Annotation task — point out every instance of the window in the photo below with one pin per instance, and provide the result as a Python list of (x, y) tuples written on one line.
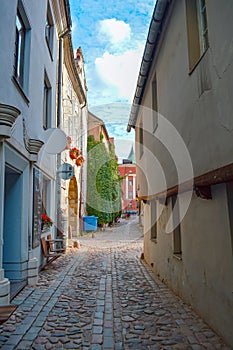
[(130, 194), (130, 183), (141, 140), (76, 106), (41, 203), (203, 29), (19, 49), (22, 45), (69, 89), (47, 104), (229, 187), (197, 30), (153, 218), (154, 105), (176, 230), (45, 195), (49, 29)]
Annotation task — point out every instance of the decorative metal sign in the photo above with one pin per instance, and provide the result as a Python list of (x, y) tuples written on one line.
[(66, 171)]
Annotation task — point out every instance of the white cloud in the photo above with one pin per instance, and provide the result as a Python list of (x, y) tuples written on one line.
[(120, 71), (114, 31)]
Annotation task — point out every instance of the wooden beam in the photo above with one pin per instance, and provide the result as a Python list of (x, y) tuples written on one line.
[(200, 183), (203, 192)]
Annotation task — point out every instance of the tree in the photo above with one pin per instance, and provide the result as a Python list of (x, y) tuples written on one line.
[(103, 182)]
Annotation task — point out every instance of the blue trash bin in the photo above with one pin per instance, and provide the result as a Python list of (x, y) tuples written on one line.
[(90, 223)]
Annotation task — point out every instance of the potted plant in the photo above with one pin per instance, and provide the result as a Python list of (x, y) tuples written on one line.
[(46, 221), (74, 153), (79, 161)]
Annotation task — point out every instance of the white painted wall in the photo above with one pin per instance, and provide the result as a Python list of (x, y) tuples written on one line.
[(204, 120), (29, 102), (40, 60)]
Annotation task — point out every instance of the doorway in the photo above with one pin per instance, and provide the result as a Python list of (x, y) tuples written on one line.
[(12, 228), (73, 207)]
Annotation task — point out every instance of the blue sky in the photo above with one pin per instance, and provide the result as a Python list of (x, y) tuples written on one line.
[(112, 34)]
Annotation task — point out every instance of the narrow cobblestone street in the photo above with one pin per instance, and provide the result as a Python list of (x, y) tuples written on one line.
[(102, 296)]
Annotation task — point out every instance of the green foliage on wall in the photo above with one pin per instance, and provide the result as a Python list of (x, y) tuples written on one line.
[(103, 182)]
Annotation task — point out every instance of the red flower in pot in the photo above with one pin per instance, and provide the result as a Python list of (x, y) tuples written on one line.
[(74, 153), (79, 160), (46, 221)]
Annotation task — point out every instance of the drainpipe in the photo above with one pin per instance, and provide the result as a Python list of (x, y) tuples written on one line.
[(82, 175), (2, 185), (4, 282)]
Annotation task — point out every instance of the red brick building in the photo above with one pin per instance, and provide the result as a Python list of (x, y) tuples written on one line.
[(128, 199)]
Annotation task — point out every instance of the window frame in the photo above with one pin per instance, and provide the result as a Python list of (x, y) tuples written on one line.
[(197, 36), (49, 29), (130, 194), (229, 191), (19, 49), (69, 89), (47, 96), (177, 239), (153, 224), (154, 104), (22, 51), (45, 195), (203, 26), (141, 139)]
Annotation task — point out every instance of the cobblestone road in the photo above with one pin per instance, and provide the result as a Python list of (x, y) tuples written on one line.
[(103, 297)]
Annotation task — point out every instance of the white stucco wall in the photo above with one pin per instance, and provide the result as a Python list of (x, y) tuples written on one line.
[(30, 102), (40, 60), (203, 118), (204, 275)]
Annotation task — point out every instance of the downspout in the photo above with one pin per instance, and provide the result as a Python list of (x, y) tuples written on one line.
[(2, 190), (81, 176)]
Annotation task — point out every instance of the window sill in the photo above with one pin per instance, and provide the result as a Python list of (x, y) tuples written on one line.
[(20, 89), (191, 70), (177, 256), (50, 50), (154, 240)]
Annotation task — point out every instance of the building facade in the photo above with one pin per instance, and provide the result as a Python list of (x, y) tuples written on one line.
[(182, 115), (74, 123), (29, 138), (129, 203), (97, 129)]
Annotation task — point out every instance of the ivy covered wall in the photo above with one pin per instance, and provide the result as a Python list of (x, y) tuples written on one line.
[(103, 182)]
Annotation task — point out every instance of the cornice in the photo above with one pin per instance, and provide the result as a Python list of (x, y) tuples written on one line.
[(8, 116), (72, 70), (33, 146)]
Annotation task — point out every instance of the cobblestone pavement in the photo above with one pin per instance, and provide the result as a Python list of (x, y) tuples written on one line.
[(104, 298)]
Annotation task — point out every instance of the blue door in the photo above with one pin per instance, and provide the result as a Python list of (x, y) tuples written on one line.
[(12, 244)]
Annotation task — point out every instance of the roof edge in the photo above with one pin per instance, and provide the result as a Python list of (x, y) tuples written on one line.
[(155, 29)]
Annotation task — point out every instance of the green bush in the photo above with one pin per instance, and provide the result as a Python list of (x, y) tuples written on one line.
[(103, 182)]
